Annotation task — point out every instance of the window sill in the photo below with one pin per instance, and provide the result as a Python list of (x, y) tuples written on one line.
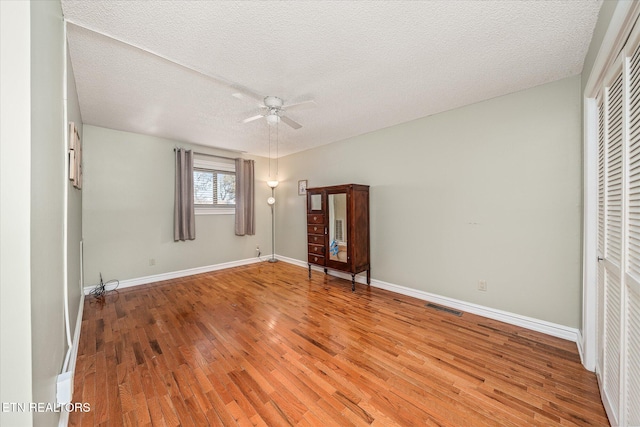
[(215, 211)]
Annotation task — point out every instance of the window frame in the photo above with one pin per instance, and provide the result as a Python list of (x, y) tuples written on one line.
[(215, 167)]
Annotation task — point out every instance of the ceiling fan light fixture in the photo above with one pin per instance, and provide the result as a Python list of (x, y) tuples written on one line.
[(273, 110), (273, 118)]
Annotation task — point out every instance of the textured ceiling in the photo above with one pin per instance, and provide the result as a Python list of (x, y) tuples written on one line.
[(167, 68)]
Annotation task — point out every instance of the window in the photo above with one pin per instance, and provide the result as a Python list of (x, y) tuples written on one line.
[(214, 186)]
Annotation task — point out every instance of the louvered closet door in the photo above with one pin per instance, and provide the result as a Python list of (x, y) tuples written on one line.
[(631, 294), (601, 231), (613, 220), (602, 156), (618, 235)]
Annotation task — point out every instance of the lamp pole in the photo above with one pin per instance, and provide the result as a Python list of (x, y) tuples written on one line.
[(273, 183), (272, 202)]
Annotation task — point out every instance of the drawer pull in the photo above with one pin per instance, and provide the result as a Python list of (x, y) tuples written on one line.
[(315, 228), (315, 218)]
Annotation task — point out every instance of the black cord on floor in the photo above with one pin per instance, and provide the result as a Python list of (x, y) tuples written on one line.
[(101, 288)]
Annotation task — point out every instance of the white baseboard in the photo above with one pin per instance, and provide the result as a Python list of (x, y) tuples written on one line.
[(127, 283), (64, 391), (553, 329)]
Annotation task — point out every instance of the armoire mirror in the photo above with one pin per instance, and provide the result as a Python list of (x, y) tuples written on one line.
[(337, 221)]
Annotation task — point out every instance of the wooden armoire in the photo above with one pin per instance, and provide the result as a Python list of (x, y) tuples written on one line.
[(338, 229)]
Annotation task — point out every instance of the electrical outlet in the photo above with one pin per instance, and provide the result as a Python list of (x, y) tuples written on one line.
[(152, 261), (482, 285)]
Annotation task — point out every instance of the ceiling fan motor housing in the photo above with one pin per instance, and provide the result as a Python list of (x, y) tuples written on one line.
[(273, 102)]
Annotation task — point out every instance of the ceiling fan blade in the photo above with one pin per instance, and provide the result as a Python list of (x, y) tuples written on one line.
[(290, 122), (250, 119), (242, 92), (306, 103), (245, 98)]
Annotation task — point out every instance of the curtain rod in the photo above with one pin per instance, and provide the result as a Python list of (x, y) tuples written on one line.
[(210, 155)]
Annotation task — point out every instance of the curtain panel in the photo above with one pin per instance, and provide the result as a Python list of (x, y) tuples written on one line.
[(245, 195), (184, 221)]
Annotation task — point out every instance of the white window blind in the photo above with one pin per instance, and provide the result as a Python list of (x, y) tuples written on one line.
[(214, 185), (339, 231)]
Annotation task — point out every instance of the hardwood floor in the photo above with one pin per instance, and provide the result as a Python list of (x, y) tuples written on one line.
[(264, 345)]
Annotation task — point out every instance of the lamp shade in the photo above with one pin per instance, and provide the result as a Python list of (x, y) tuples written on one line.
[(273, 118), (273, 184)]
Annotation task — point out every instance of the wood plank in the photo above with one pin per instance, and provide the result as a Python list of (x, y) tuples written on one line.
[(263, 345)]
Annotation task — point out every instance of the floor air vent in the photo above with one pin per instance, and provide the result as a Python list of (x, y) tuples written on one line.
[(445, 309)]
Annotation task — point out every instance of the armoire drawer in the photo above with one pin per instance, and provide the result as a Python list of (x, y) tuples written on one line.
[(315, 219), (315, 229), (316, 259), (316, 250), (315, 239)]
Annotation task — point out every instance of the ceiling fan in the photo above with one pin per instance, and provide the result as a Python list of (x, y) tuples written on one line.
[(273, 109)]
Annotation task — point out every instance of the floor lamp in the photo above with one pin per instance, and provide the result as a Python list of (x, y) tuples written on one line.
[(272, 202), (273, 119)]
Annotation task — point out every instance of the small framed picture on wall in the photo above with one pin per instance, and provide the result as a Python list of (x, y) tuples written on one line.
[(302, 187)]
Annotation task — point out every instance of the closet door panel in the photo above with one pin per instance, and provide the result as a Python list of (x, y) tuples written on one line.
[(601, 233), (633, 355), (618, 229), (613, 238), (631, 294)]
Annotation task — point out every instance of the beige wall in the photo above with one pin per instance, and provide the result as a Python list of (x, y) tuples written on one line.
[(33, 184), (491, 191), (15, 187), (47, 154), (128, 211), (48, 150), (74, 211)]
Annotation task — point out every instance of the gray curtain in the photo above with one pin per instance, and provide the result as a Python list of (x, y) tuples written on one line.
[(245, 195), (184, 220)]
